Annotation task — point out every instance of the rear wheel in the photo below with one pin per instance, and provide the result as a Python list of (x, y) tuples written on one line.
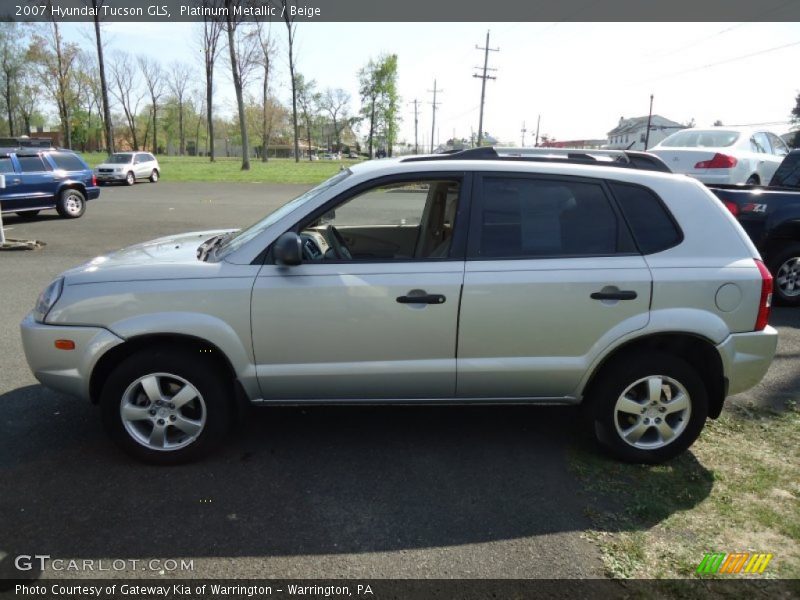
[(166, 407), (753, 180), (785, 268), (71, 204), (130, 178), (154, 176), (649, 408)]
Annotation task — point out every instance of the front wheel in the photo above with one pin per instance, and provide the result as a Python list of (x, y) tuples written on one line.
[(785, 268), (130, 179), (71, 204), (166, 407), (649, 408)]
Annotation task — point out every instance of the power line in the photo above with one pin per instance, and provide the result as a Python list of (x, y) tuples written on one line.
[(486, 49)]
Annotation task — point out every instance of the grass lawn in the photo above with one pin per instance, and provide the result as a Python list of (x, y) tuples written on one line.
[(277, 170), (736, 490)]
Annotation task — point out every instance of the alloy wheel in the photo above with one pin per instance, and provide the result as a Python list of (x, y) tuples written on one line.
[(652, 412)]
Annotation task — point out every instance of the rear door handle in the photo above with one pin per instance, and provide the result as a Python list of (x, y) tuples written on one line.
[(620, 295), (422, 299)]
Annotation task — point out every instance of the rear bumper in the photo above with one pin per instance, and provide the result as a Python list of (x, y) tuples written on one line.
[(92, 192), (67, 371), (746, 358)]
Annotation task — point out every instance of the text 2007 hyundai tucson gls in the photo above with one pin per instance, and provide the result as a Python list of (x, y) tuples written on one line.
[(463, 278)]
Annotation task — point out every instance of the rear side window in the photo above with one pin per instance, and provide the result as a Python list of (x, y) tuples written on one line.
[(68, 162), (651, 224), (32, 164), (536, 218)]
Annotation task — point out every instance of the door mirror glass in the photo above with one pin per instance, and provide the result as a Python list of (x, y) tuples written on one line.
[(288, 249)]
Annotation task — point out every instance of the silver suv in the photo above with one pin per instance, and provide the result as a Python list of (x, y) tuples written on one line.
[(474, 277), (128, 167)]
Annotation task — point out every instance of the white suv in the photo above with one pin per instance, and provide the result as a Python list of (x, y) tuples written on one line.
[(128, 167), (473, 277)]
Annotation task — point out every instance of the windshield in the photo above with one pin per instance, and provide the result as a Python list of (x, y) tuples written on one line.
[(120, 159), (237, 240), (693, 138)]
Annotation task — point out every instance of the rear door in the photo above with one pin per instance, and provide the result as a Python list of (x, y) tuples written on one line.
[(552, 277), (38, 183), (768, 159)]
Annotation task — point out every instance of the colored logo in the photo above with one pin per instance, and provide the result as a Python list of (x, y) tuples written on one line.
[(736, 562)]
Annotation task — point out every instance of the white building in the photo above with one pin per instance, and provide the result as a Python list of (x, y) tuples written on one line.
[(630, 134)]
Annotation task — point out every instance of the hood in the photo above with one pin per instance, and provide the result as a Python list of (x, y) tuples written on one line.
[(154, 259), (110, 165)]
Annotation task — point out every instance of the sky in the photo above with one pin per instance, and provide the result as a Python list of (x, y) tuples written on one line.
[(579, 77)]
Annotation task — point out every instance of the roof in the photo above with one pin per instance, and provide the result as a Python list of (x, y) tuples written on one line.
[(636, 123)]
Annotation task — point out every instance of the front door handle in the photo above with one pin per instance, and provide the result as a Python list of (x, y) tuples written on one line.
[(422, 299), (618, 295)]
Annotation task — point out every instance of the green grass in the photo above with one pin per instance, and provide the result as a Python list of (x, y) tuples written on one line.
[(277, 170), (736, 490)]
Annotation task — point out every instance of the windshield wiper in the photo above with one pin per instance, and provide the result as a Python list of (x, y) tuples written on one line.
[(212, 244)]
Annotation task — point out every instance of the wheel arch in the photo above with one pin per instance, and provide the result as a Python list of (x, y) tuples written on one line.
[(174, 341), (71, 185), (698, 351)]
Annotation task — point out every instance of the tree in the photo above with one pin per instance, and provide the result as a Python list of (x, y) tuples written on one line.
[(154, 80), (212, 28), (291, 31), (29, 96), (178, 82), (55, 60), (10, 69), (717, 123), (336, 103), (267, 50), (308, 99), (379, 99), (796, 121), (125, 88), (109, 128), (232, 24)]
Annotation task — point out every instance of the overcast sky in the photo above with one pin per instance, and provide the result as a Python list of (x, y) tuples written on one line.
[(580, 77)]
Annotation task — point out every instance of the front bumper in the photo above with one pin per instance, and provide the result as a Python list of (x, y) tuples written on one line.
[(746, 358), (67, 371), (111, 176)]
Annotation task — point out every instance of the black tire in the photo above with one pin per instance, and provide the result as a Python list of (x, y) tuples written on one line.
[(785, 268), (753, 180), (71, 204), (214, 403), (130, 178), (610, 422), (27, 214), (154, 176)]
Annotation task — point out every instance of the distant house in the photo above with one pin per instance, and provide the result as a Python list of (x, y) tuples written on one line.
[(630, 134), (590, 144)]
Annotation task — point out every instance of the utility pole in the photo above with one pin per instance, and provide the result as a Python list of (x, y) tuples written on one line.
[(649, 118), (523, 130), (416, 121), (538, 120), (483, 79), (435, 104)]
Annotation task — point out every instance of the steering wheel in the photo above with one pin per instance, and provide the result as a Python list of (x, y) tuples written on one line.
[(337, 243)]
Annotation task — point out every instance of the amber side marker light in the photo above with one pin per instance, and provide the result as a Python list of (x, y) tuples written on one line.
[(65, 344)]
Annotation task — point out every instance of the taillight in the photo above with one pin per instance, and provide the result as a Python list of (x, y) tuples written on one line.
[(94, 180), (765, 302), (720, 161), (732, 206)]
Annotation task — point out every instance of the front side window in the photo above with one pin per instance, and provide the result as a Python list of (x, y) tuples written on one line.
[(537, 218), (32, 164), (398, 221)]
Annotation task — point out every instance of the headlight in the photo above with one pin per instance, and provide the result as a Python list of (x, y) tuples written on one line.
[(47, 299)]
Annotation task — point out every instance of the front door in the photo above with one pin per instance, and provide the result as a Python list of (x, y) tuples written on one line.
[(552, 278), (372, 313)]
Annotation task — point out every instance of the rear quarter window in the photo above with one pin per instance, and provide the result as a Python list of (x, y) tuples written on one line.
[(653, 227), (68, 162), (32, 164)]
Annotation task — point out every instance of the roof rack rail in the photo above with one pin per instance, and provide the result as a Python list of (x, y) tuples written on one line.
[(607, 158)]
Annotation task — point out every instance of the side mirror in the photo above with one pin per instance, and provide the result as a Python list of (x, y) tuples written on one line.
[(288, 249)]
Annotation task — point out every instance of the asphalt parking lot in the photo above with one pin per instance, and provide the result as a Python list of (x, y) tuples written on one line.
[(315, 492)]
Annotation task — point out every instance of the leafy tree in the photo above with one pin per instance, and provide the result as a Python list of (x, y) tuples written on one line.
[(796, 121), (379, 99), (11, 63), (308, 99)]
